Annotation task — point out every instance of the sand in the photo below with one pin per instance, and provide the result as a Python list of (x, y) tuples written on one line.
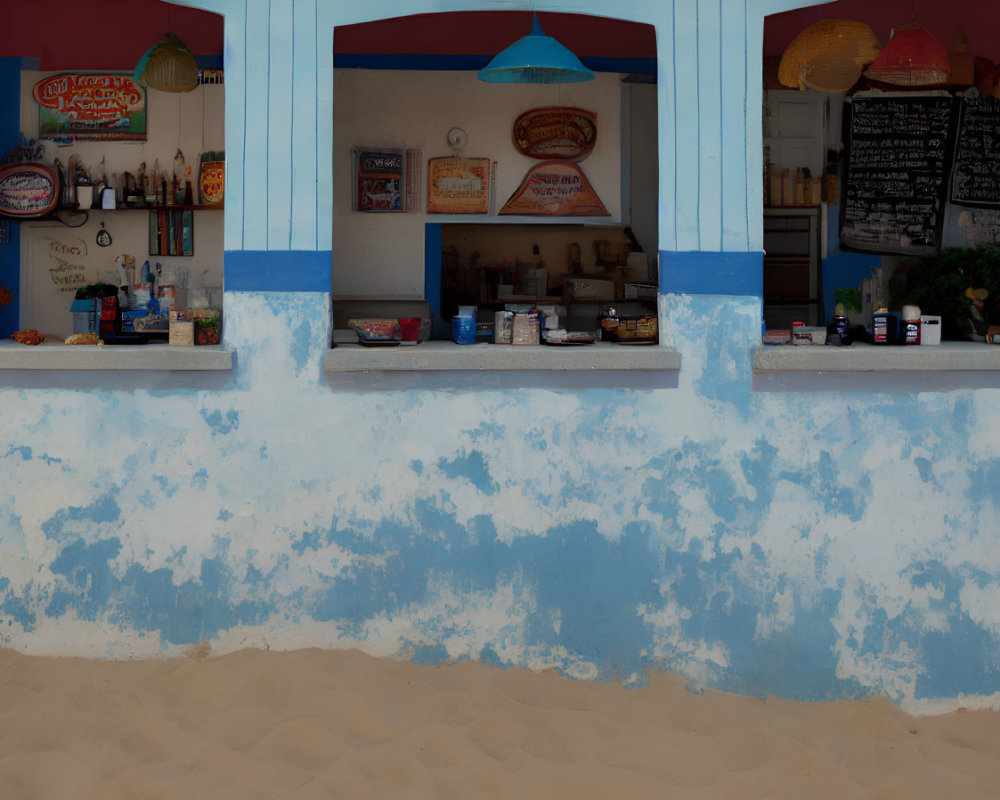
[(335, 724)]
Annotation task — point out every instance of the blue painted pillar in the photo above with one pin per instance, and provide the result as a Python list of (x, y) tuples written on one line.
[(10, 250)]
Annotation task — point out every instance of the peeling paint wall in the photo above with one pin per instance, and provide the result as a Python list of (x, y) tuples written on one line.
[(804, 545)]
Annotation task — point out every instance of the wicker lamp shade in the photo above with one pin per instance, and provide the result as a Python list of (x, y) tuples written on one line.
[(168, 66), (828, 56), (913, 57)]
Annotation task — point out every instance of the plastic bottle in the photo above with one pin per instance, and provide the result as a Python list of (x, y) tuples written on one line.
[(911, 325)]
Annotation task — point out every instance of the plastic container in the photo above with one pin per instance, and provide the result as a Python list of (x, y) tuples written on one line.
[(911, 325)]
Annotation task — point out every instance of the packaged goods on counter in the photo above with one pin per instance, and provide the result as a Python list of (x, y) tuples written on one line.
[(525, 328)]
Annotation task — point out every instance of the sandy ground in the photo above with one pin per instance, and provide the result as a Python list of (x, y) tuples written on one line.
[(322, 724)]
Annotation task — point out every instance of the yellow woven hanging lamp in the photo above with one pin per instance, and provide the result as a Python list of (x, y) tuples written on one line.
[(828, 56), (168, 66)]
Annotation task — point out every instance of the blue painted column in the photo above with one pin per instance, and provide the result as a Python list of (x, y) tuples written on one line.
[(10, 251)]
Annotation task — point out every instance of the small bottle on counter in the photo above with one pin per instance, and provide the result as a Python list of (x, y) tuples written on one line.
[(840, 322), (884, 327), (911, 325), (609, 324)]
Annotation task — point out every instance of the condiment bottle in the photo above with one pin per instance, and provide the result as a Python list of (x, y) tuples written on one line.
[(840, 322), (883, 326), (911, 325)]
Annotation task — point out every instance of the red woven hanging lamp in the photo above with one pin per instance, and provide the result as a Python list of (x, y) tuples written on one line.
[(912, 57)]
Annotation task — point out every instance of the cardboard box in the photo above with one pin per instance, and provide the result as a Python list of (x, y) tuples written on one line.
[(181, 329), (590, 289)]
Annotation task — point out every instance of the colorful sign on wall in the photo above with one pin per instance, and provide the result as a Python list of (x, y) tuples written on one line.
[(90, 106), (556, 132), (28, 190), (458, 185), (555, 188)]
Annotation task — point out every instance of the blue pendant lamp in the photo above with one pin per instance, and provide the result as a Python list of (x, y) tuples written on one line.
[(535, 58)]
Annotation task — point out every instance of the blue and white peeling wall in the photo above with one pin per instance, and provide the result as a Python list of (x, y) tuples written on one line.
[(810, 547)]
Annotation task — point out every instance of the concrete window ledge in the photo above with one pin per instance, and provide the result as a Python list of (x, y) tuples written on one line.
[(147, 357), (950, 365), (488, 366)]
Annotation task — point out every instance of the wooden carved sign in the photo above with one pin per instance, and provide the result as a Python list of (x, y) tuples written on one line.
[(28, 190), (555, 188), (556, 132)]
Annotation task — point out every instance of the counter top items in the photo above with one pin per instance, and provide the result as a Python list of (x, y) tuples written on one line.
[(31, 336), (638, 330), (376, 332)]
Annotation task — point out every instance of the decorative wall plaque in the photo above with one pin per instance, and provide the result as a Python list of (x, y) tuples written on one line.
[(458, 185), (556, 132), (555, 188), (28, 190)]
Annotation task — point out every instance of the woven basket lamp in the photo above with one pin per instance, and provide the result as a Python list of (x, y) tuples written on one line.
[(828, 56), (168, 66), (913, 57)]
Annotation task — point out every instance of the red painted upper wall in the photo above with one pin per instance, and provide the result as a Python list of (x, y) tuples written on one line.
[(113, 34), (489, 32), (101, 34), (980, 19)]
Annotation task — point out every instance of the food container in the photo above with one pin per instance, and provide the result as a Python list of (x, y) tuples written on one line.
[(637, 330), (525, 329), (375, 332)]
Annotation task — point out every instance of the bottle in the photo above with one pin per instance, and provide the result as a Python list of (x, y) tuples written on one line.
[(911, 325), (840, 322), (883, 327)]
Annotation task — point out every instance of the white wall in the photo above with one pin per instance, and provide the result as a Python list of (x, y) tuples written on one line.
[(383, 254)]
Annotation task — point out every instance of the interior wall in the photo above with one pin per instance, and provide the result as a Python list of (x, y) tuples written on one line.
[(382, 253), (55, 259)]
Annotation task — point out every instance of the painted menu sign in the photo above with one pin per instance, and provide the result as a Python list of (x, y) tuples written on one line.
[(90, 106), (556, 132), (555, 188), (458, 185), (28, 190)]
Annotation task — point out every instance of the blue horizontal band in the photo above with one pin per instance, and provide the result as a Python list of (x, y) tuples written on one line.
[(712, 273), (432, 61), (278, 270)]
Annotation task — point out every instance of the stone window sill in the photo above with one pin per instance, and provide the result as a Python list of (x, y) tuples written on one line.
[(155, 357), (930, 368), (439, 364)]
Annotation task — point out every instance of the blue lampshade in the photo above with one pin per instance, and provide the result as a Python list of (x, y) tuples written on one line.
[(535, 58)]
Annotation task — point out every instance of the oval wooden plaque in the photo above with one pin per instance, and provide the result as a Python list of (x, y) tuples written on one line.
[(28, 190), (556, 132)]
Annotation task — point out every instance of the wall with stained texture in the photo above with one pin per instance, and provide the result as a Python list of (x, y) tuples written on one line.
[(812, 546)]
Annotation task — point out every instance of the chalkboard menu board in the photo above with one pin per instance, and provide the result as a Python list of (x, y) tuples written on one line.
[(898, 159), (976, 178)]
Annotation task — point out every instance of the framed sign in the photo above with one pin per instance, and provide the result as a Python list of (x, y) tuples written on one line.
[(90, 106), (379, 179), (458, 185), (28, 190), (556, 132), (212, 183)]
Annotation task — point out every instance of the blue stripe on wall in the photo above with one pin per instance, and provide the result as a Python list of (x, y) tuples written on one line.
[(10, 253), (712, 273), (432, 61), (278, 270)]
